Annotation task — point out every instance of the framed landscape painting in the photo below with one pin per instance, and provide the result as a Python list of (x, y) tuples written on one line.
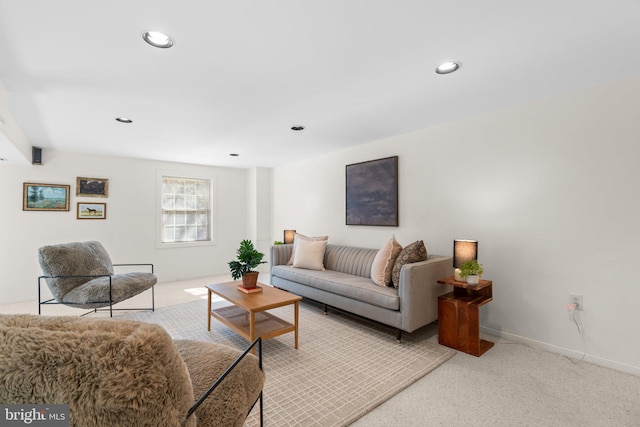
[(372, 192), (45, 197), (91, 211), (92, 187)]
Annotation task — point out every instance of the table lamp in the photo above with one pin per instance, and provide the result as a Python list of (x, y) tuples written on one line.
[(289, 235), (463, 251)]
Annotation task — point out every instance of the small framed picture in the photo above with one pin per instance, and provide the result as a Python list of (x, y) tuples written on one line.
[(92, 210), (92, 187), (45, 197)]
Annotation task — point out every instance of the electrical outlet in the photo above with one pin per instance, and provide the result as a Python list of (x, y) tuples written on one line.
[(577, 300)]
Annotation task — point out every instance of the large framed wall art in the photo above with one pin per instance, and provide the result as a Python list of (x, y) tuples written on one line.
[(45, 197), (372, 192)]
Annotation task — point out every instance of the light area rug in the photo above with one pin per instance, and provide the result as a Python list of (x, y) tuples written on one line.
[(344, 367)]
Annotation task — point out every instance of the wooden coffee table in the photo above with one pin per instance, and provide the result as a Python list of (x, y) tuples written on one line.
[(248, 315)]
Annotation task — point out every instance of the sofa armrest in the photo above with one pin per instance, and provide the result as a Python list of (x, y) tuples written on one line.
[(419, 290), (280, 254)]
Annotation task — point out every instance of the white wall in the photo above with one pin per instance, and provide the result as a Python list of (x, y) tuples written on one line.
[(130, 229), (259, 212), (14, 146), (548, 188)]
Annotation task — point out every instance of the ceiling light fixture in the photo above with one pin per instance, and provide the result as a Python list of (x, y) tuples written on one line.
[(297, 128), (448, 67), (234, 154), (158, 39), (124, 120)]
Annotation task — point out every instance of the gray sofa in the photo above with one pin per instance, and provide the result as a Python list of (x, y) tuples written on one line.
[(346, 284)]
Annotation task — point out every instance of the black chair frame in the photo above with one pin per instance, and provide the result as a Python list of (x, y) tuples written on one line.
[(258, 343), (95, 310)]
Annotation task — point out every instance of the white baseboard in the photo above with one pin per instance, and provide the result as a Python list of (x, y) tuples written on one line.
[(622, 367)]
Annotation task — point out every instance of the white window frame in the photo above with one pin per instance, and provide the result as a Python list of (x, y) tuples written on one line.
[(159, 217)]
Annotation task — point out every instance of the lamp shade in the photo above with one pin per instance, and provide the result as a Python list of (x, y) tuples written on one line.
[(289, 235), (463, 251)]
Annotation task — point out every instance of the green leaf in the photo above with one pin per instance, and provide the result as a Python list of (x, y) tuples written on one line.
[(248, 257)]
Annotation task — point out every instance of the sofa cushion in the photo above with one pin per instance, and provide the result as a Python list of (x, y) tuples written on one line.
[(347, 285), (309, 254), (414, 252), (349, 260), (299, 237), (382, 265)]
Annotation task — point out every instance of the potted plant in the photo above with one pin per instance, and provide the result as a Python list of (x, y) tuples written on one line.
[(471, 270), (248, 258)]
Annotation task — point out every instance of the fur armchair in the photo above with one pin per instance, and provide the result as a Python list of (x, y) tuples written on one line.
[(123, 373), (81, 274)]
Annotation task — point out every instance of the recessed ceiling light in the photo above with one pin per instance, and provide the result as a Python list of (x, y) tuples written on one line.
[(297, 128), (448, 67), (124, 120), (234, 154), (158, 39)]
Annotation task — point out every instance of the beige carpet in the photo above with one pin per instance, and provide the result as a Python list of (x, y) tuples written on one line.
[(345, 366)]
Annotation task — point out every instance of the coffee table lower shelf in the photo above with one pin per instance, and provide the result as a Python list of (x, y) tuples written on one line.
[(266, 325)]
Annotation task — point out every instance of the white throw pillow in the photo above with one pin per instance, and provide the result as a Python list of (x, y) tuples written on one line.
[(299, 237), (383, 262), (310, 254)]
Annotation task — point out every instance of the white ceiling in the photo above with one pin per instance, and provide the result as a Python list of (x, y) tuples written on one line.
[(242, 72)]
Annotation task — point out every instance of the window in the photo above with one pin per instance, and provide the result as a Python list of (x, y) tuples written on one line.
[(186, 209)]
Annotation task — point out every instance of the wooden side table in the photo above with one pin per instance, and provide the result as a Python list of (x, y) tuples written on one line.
[(458, 316)]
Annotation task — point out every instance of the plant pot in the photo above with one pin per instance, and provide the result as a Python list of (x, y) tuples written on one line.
[(250, 279), (473, 279)]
